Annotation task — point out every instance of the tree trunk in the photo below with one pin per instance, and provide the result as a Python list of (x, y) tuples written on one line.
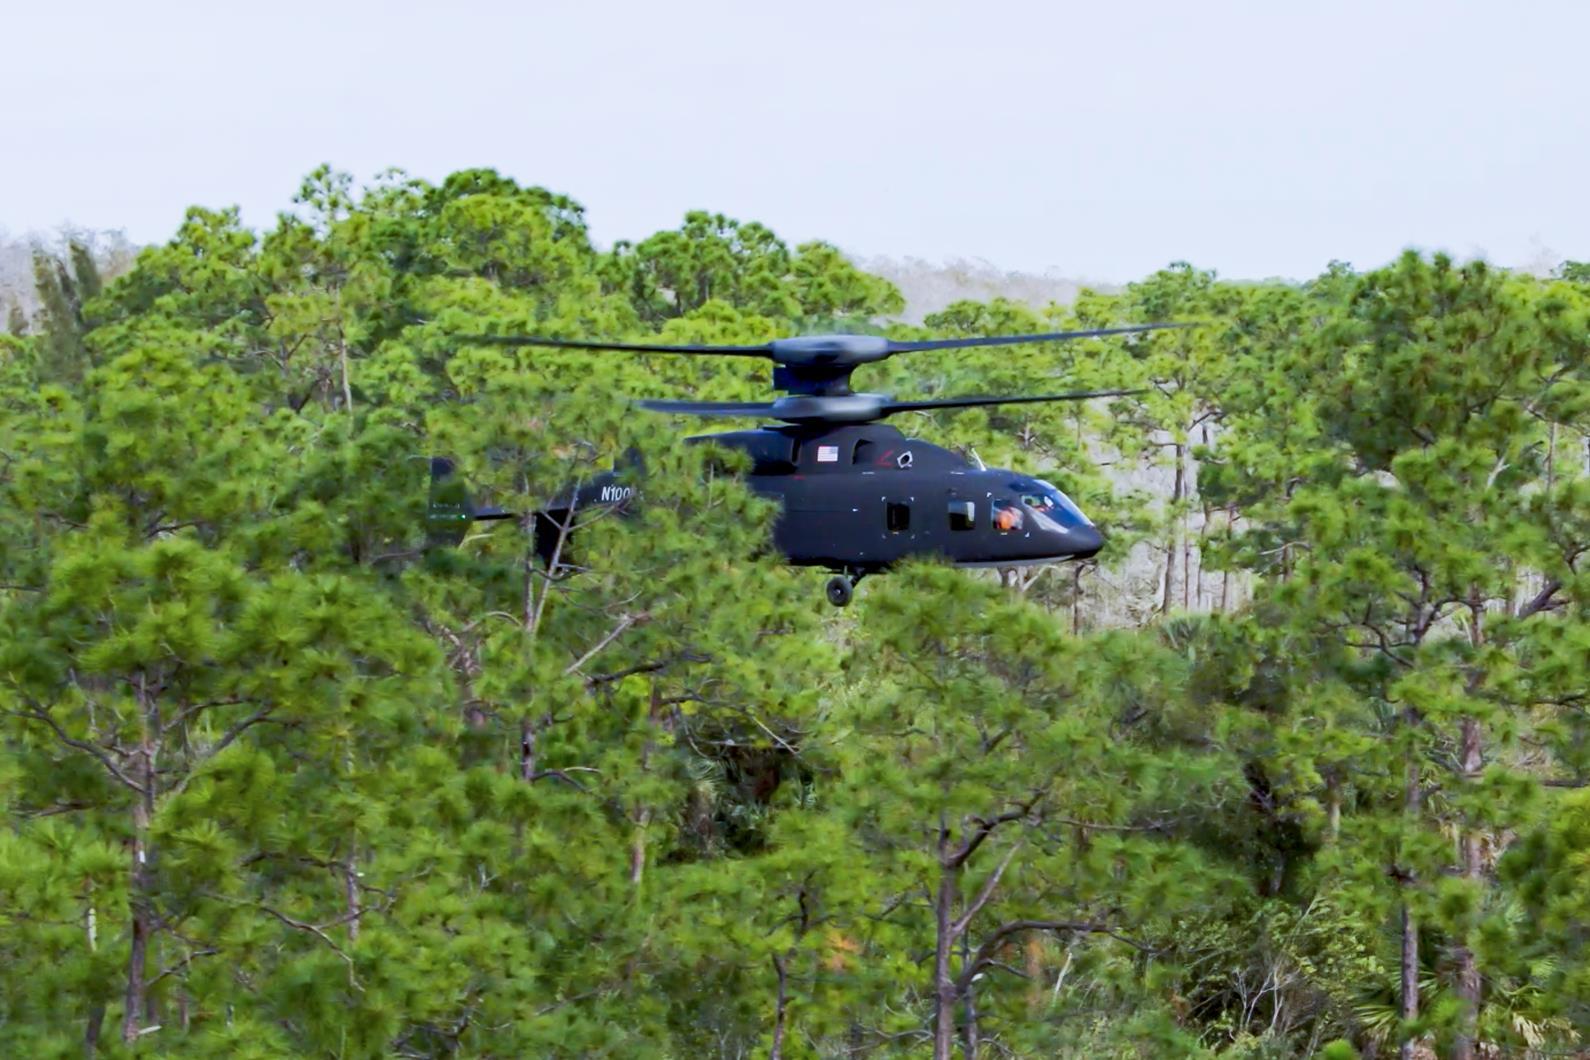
[(1076, 600), (1186, 538), (527, 750), (1471, 761), (347, 386), (1225, 575), (350, 883), (95, 1024), (943, 983), (91, 1033), (142, 923), (1410, 976), (1172, 544), (1551, 457), (1409, 1009), (969, 1036), (1468, 974), (637, 848), (777, 1051), (1033, 951), (140, 898)]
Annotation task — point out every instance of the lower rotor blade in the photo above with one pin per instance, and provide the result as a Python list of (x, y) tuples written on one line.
[(973, 402), (709, 408), (622, 347)]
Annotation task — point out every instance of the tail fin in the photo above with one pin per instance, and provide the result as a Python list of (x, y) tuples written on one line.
[(450, 509)]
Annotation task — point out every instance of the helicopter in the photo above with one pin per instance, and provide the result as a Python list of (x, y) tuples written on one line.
[(857, 495)]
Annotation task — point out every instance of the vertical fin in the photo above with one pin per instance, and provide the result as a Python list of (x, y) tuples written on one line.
[(449, 509)]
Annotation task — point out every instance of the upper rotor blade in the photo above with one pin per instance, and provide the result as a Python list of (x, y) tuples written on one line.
[(1013, 340), (626, 347), (972, 402), (807, 350), (709, 408)]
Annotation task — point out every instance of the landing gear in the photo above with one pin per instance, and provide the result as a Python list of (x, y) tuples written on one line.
[(841, 587), (840, 590)]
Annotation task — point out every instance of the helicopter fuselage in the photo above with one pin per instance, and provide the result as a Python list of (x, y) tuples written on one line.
[(855, 499), (858, 499)]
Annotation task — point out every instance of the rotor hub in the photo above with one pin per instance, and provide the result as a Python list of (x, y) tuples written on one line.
[(845, 408), (829, 350)]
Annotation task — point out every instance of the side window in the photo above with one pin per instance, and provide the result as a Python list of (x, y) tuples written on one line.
[(864, 452), (897, 517), (1006, 516), (963, 515)]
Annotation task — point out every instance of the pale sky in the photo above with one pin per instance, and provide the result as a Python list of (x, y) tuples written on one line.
[(1099, 140)]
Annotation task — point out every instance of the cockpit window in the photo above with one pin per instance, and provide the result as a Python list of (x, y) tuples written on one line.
[(1007, 516), (1047, 499)]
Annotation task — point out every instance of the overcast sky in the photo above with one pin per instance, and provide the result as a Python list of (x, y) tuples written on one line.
[(1099, 139)]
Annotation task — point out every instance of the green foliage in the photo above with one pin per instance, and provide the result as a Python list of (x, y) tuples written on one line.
[(280, 781)]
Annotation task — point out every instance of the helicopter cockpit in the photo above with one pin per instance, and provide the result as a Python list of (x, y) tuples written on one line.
[(1048, 504)]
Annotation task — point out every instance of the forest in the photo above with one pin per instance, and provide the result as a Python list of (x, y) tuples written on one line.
[(1297, 765)]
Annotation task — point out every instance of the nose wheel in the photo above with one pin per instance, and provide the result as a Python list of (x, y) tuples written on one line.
[(841, 588)]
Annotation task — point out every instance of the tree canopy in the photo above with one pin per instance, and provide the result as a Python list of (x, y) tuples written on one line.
[(1295, 766)]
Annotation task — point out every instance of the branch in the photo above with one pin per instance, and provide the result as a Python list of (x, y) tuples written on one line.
[(985, 828), (86, 748), (985, 953), (299, 925), (166, 528), (1542, 600), (189, 959), (565, 528), (563, 775), (237, 730), (226, 740), (985, 893), (1095, 826), (647, 668), (775, 737), (619, 675), (617, 631), (184, 715), (894, 903)]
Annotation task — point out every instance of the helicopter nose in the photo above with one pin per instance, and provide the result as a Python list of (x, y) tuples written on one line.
[(1084, 541)]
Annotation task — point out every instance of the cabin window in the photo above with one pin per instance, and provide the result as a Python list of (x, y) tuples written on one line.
[(1007, 516), (897, 517), (963, 515), (864, 452)]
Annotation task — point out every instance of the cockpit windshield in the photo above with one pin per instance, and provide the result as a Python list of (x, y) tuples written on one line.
[(1047, 499)]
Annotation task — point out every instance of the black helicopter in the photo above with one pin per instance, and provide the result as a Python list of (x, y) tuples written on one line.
[(858, 496)]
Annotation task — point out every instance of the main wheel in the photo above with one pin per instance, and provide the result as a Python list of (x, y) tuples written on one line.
[(839, 590)]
